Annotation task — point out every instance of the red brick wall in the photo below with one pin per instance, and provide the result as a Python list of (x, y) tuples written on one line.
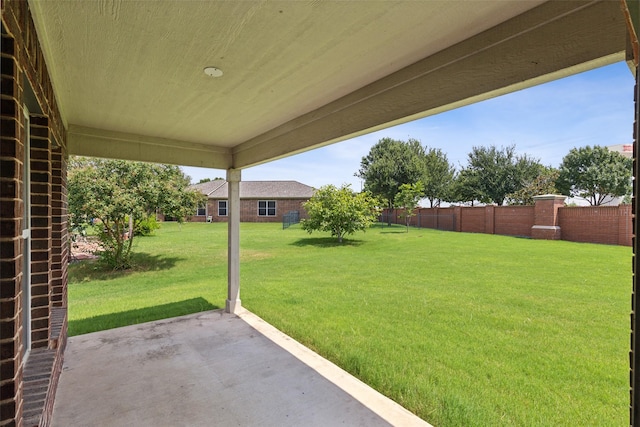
[(438, 218), (514, 220), (472, 220), (40, 230), (605, 224), (11, 244), (599, 224), (23, 64), (249, 211), (59, 230)]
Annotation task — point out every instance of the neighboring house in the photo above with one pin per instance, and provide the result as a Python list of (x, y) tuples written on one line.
[(260, 201)]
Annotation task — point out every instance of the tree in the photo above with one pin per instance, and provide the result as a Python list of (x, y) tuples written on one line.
[(340, 211), (495, 173), (203, 180), (114, 191), (408, 198), (438, 176), (463, 188), (544, 183), (389, 164), (595, 173)]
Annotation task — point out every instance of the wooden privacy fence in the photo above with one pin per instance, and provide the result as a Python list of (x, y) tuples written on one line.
[(548, 219)]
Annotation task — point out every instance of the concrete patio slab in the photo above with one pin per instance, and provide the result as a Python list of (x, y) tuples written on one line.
[(210, 369)]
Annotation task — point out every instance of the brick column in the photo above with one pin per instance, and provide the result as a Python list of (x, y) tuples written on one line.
[(457, 212), (40, 230), (624, 225), (11, 244), (59, 231), (546, 217), (489, 219)]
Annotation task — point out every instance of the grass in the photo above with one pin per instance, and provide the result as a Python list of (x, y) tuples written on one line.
[(461, 329)]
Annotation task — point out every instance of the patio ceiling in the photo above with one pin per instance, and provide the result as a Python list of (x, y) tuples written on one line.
[(130, 84)]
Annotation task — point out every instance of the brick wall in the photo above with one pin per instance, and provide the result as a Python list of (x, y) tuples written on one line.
[(514, 220), (40, 169), (11, 244), (599, 224), (472, 220), (603, 224), (438, 218), (23, 67), (59, 230), (249, 211)]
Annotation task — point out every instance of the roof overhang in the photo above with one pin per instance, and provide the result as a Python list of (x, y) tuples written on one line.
[(297, 75)]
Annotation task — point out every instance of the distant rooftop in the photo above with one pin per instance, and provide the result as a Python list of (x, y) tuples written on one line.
[(624, 149), (218, 189)]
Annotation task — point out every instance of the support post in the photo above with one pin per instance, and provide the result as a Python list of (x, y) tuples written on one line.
[(233, 255)]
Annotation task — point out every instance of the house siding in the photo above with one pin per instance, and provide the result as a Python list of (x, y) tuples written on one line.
[(249, 210)]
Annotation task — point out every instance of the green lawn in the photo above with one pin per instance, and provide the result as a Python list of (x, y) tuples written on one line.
[(461, 329)]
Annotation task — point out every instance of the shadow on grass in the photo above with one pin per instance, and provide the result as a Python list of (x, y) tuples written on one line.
[(140, 315), (90, 270), (326, 242)]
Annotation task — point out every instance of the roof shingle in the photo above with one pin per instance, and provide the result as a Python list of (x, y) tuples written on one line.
[(218, 189)]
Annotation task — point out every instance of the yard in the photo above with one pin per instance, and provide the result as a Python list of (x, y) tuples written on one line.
[(461, 329)]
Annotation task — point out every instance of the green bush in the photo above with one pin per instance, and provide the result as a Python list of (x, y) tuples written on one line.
[(146, 226)]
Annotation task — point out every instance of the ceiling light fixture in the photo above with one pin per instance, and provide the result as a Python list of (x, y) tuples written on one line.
[(213, 72)]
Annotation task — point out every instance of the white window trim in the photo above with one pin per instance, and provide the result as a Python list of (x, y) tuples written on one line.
[(275, 208), (226, 207)]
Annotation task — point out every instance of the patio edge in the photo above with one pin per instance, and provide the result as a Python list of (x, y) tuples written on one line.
[(387, 409)]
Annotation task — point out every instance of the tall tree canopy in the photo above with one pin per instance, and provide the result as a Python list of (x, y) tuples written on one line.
[(389, 164), (595, 173), (340, 211), (494, 173), (544, 183), (463, 188), (438, 176), (113, 191)]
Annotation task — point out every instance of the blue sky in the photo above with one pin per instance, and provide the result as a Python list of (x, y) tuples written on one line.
[(545, 122)]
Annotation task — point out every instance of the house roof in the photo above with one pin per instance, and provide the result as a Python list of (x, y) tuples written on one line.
[(218, 189), (209, 187), (130, 83)]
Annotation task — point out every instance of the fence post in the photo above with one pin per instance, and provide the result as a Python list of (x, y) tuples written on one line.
[(546, 224), (624, 225), (457, 216), (489, 219)]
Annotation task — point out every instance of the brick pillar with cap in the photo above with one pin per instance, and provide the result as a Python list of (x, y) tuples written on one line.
[(546, 225)]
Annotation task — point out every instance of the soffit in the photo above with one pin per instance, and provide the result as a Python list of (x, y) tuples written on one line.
[(129, 75)]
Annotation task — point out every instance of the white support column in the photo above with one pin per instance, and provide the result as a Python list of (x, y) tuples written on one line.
[(233, 257)]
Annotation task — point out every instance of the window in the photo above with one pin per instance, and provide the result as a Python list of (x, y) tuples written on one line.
[(266, 208), (222, 208), (202, 209)]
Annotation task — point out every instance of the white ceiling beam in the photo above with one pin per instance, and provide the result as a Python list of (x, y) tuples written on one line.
[(554, 40), (85, 141)]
